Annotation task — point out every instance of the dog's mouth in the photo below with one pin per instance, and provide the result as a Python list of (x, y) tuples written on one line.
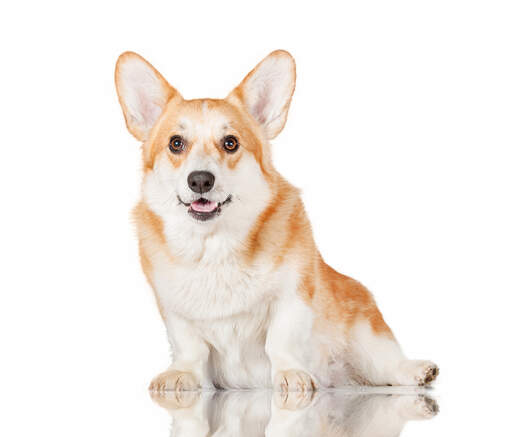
[(203, 209)]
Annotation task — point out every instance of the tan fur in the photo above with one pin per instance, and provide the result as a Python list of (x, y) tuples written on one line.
[(151, 238), (282, 232)]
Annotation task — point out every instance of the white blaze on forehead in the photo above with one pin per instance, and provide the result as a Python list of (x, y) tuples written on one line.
[(211, 126)]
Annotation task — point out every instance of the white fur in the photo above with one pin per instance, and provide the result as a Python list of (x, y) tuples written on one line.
[(380, 360), (291, 344)]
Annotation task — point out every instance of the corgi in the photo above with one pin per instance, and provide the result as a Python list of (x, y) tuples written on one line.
[(225, 243)]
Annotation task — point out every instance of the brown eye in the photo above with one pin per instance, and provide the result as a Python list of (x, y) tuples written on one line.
[(230, 144), (176, 144)]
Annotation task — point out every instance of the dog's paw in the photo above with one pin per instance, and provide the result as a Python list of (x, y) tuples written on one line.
[(293, 381), (427, 373), (421, 373), (174, 380)]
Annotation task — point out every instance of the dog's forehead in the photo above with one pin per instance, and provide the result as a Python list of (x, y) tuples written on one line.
[(203, 118)]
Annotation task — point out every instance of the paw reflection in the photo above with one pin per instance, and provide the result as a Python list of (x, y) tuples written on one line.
[(367, 413)]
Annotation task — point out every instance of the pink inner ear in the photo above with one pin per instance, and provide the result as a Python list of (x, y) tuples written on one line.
[(260, 108), (148, 110)]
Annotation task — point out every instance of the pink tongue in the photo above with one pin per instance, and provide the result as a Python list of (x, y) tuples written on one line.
[(201, 206)]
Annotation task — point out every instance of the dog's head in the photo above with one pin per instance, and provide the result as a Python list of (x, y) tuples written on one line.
[(206, 159)]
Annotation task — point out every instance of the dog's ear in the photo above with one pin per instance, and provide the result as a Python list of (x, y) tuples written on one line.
[(143, 93), (266, 92)]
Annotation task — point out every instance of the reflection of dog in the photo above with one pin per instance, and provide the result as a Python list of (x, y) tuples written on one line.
[(226, 245), (330, 414)]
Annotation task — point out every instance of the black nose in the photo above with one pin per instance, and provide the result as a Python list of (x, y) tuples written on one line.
[(201, 181)]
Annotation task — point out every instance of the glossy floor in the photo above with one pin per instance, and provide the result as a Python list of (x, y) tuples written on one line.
[(350, 412)]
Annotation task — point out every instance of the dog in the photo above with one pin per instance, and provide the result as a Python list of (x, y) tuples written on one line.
[(225, 243)]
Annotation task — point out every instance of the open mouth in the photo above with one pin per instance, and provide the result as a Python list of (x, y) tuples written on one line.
[(203, 209)]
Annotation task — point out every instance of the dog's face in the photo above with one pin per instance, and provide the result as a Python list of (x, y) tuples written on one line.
[(206, 161)]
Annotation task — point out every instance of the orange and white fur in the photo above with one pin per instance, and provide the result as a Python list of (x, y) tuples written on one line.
[(227, 247)]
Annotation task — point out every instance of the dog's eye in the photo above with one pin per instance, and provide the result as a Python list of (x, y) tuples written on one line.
[(176, 144), (230, 144)]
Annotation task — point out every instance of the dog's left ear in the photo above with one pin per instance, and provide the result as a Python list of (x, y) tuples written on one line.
[(266, 92)]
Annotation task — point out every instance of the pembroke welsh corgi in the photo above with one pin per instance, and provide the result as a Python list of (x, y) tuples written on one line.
[(247, 300)]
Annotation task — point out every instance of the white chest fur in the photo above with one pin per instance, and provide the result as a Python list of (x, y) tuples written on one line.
[(237, 348), (212, 287), (228, 303)]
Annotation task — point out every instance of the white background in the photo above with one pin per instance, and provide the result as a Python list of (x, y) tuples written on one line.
[(399, 135)]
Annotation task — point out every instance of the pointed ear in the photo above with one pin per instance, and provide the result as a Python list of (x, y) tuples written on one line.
[(266, 92), (143, 93)]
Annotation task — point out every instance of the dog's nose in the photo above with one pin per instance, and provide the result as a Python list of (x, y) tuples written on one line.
[(201, 181)]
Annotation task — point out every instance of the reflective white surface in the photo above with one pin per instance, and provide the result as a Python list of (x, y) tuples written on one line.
[(365, 413), (125, 408)]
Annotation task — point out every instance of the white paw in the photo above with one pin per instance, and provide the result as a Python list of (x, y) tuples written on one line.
[(293, 380), (174, 380), (416, 372)]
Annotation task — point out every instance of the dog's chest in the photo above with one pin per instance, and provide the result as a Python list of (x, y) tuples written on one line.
[(229, 303), (237, 348), (216, 285)]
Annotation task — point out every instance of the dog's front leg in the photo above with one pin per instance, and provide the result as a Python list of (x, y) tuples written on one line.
[(189, 369), (289, 345)]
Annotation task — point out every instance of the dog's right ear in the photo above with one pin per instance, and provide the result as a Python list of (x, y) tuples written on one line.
[(143, 93)]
